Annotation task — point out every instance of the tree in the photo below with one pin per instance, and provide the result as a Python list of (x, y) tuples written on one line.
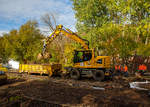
[(114, 27), (28, 43), (59, 47), (49, 20), (5, 48)]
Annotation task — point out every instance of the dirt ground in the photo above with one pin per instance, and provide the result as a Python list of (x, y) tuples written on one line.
[(41, 91)]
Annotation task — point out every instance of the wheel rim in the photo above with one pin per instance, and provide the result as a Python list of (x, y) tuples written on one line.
[(74, 73), (98, 74)]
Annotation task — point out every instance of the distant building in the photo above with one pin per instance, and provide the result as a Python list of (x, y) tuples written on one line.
[(13, 64)]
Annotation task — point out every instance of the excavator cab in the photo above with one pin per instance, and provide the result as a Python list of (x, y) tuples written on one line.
[(82, 55)]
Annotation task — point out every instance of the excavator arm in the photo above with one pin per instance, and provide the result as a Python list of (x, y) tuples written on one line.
[(60, 30)]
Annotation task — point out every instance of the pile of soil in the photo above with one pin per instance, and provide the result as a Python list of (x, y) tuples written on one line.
[(43, 91), (146, 86), (51, 92)]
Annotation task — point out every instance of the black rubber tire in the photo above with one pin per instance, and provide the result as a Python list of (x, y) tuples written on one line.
[(75, 74), (98, 75), (65, 75)]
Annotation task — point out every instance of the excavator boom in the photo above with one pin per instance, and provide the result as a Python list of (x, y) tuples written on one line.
[(60, 30)]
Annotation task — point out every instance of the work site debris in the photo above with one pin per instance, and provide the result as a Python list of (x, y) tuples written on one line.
[(98, 88), (136, 85), (89, 100), (66, 92)]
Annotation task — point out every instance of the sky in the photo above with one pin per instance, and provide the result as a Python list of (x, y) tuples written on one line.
[(14, 13)]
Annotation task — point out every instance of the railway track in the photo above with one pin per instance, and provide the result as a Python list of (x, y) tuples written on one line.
[(87, 83), (26, 76)]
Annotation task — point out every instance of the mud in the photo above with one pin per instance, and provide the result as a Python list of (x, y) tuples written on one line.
[(42, 91)]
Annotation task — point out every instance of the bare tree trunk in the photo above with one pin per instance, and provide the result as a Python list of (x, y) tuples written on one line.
[(49, 20)]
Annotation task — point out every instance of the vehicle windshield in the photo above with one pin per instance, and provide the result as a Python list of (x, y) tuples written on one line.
[(81, 56)]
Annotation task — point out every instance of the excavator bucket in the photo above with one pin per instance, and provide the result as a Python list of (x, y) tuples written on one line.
[(39, 57), (46, 55)]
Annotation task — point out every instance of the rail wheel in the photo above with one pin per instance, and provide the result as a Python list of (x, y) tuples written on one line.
[(98, 75), (75, 74)]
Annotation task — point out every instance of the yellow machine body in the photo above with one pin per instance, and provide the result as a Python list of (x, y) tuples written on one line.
[(93, 63), (85, 61), (3, 76), (50, 69), (3, 68)]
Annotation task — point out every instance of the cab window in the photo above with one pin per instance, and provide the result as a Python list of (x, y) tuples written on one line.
[(81, 56), (99, 61)]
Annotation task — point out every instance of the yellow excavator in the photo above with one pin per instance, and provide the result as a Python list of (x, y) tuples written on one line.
[(3, 76), (85, 61)]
